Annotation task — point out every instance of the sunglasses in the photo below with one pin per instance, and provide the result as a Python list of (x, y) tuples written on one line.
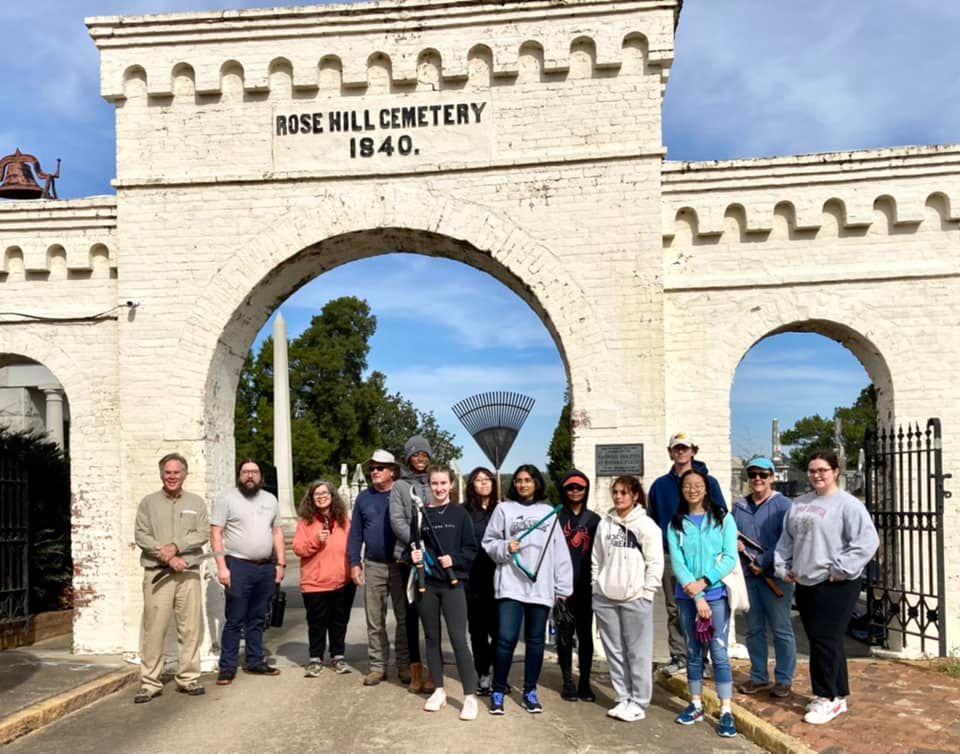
[(378, 468), (758, 474), (575, 487)]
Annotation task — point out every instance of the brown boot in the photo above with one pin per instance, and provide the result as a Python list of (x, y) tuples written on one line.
[(428, 686), (416, 678)]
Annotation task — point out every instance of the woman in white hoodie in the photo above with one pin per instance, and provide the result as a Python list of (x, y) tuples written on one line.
[(627, 569)]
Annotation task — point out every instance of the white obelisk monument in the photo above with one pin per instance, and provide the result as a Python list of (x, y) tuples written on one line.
[(282, 444)]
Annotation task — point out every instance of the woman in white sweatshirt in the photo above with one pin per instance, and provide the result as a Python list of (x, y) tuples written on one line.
[(627, 569)]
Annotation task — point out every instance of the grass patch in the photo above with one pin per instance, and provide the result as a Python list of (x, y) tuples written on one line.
[(948, 666)]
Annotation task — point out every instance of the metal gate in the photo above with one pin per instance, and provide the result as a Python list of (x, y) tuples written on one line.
[(14, 544), (904, 493)]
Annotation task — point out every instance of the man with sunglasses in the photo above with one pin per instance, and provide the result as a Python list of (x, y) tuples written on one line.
[(662, 503), (759, 518), (373, 566)]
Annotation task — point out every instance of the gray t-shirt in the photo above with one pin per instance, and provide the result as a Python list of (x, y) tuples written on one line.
[(248, 523)]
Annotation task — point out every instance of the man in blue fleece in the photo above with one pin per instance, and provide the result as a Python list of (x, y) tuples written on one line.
[(662, 502), (372, 564)]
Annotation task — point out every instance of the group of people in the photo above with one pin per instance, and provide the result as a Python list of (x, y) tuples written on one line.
[(488, 569)]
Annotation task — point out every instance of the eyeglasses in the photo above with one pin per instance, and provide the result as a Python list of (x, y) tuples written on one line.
[(693, 488), (819, 472), (758, 474), (378, 468), (321, 493), (575, 488)]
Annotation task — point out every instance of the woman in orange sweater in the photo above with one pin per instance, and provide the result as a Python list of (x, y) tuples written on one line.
[(321, 543)]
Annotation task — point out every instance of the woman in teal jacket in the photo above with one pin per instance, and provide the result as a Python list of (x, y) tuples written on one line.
[(702, 540)]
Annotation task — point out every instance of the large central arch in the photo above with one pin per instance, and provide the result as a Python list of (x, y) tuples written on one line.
[(348, 226)]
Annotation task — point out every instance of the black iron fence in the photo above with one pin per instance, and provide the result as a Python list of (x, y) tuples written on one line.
[(14, 546), (905, 494)]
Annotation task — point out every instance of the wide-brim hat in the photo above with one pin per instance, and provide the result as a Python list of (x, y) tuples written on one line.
[(382, 456)]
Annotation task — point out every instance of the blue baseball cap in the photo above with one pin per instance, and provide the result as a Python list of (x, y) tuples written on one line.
[(761, 463)]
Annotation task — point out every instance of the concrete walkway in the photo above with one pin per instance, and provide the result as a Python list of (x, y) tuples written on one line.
[(894, 707)]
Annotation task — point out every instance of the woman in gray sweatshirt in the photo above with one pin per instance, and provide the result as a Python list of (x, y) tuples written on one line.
[(828, 538), (521, 535)]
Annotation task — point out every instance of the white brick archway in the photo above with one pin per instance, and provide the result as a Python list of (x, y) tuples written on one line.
[(541, 161), (348, 226)]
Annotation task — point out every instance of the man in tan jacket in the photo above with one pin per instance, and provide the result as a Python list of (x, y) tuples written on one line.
[(172, 527)]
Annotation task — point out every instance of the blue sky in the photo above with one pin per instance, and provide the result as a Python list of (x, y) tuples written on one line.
[(751, 78)]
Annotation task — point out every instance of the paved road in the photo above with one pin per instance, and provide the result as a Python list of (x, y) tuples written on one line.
[(290, 713), (337, 714)]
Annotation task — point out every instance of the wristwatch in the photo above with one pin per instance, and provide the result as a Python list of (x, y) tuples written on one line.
[(706, 581)]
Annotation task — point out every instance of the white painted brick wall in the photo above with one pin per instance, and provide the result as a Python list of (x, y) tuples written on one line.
[(655, 279)]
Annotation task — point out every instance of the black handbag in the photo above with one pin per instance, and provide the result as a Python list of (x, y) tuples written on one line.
[(278, 606)]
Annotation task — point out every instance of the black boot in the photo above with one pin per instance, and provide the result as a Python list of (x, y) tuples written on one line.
[(569, 692), (584, 692)]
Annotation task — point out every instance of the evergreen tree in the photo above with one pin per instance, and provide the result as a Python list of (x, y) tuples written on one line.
[(813, 433), (337, 414), (560, 453)]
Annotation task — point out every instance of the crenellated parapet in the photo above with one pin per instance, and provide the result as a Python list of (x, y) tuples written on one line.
[(812, 197), (343, 49), (63, 240)]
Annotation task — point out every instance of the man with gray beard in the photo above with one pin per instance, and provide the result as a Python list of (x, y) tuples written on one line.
[(245, 526)]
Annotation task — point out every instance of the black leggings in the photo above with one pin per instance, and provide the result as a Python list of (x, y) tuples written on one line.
[(482, 614), (452, 603), (581, 605), (825, 611), (327, 615)]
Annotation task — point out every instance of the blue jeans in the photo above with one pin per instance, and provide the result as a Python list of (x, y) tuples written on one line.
[(534, 619), (767, 609), (722, 673), (251, 587)]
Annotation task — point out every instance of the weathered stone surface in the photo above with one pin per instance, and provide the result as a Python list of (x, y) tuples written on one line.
[(655, 278)]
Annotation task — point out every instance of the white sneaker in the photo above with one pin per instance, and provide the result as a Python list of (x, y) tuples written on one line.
[(824, 710), (437, 701), (815, 702), (469, 711), (632, 713), (618, 710)]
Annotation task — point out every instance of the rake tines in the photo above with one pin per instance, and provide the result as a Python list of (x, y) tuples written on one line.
[(494, 420)]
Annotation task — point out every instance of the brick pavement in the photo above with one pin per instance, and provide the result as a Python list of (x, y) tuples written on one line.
[(894, 708)]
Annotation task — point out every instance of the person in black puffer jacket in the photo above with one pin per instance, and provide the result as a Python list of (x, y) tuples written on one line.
[(579, 526)]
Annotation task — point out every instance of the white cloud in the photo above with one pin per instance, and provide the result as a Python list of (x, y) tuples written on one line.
[(478, 311), (757, 78)]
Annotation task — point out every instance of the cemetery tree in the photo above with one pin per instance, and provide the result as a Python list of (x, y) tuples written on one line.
[(812, 433), (337, 414), (560, 453)]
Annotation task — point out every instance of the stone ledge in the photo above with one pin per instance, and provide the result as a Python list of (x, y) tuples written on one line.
[(749, 725), (49, 710), (40, 627)]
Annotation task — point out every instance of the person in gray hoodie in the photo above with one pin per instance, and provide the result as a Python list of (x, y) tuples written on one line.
[(827, 540), (417, 454), (627, 571), (533, 570)]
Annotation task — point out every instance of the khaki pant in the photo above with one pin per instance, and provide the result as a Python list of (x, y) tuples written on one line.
[(177, 595), (382, 580)]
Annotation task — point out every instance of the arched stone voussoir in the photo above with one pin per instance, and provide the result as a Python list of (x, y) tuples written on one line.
[(345, 225)]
